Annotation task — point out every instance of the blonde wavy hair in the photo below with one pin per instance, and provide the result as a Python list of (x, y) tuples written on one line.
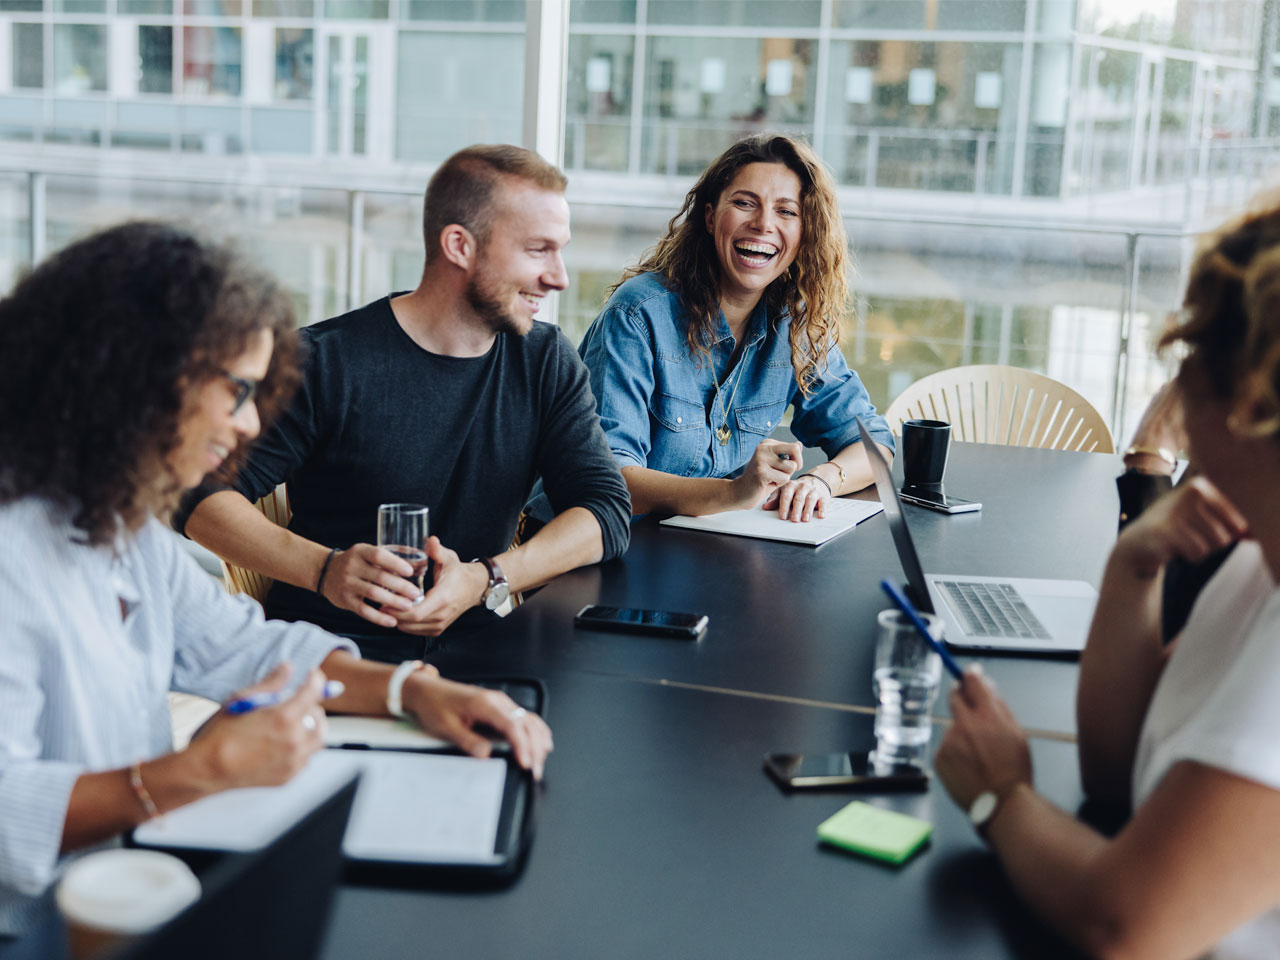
[(814, 289), (1231, 313)]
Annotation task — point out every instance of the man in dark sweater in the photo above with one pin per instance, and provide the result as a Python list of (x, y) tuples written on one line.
[(450, 396)]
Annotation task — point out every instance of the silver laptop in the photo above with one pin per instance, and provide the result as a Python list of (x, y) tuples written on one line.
[(1008, 614)]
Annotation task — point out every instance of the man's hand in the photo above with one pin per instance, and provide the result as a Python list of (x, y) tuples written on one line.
[(452, 710), (365, 572), (458, 587), (769, 468), (1191, 522)]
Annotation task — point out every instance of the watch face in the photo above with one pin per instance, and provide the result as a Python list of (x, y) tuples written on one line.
[(496, 595)]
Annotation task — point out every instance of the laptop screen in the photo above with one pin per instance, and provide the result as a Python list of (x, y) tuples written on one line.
[(916, 587)]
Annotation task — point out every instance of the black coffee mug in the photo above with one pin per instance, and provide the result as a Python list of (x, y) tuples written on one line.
[(924, 450)]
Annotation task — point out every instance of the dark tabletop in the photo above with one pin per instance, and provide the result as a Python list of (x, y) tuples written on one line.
[(659, 835), (799, 621)]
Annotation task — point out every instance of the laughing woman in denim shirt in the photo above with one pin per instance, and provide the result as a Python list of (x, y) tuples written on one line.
[(734, 316)]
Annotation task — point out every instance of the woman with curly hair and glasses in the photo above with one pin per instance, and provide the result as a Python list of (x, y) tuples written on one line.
[(1184, 735), (132, 364), (734, 316)]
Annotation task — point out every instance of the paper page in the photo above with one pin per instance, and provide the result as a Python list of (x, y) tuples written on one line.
[(841, 515), (411, 807), (382, 732)]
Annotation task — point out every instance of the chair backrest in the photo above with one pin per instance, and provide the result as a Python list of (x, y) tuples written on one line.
[(275, 507), (1006, 405)]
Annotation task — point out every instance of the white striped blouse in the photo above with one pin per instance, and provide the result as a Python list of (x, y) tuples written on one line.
[(84, 689)]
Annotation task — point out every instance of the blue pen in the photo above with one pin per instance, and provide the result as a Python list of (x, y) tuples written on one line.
[(903, 604), (256, 701)]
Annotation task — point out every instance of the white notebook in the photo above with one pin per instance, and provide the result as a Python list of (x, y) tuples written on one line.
[(411, 807), (841, 515)]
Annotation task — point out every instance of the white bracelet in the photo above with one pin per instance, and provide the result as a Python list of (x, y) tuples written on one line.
[(395, 687)]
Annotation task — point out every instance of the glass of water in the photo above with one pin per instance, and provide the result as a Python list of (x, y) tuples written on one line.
[(402, 529), (905, 682)]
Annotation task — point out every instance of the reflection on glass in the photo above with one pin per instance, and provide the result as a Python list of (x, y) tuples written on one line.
[(703, 94), (79, 58), (736, 13), (333, 113), (155, 57), (360, 95), (211, 58), (80, 6), (357, 9), (21, 6), (212, 8), (161, 7), (285, 8), (464, 11), (602, 11), (598, 107), (294, 47), (28, 55), (443, 103)]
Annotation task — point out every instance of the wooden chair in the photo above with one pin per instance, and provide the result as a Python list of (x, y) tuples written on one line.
[(1005, 405), (275, 507)]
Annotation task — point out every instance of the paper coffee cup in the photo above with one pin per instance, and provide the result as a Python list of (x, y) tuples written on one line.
[(114, 896)]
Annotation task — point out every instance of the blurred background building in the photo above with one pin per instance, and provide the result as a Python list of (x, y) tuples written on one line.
[(1022, 180)]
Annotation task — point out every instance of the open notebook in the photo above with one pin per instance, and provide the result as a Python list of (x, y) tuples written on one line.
[(842, 515)]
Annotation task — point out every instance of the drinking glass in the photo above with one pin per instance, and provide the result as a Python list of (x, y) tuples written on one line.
[(906, 679), (402, 529)]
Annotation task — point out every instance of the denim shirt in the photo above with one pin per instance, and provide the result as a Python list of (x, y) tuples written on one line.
[(659, 406)]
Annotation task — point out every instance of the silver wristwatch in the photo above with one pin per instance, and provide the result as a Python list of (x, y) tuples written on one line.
[(495, 595)]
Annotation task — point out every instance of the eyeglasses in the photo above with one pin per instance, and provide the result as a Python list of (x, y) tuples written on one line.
[(245, 390)]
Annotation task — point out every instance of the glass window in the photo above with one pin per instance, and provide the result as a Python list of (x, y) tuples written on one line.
[(28, 55), (214, 130), (212, 8), (702, 94), (464, 11), (284, 8), (602, 11), (892, 14), (155, 56), (736, 13), (294, 57), (980, 15), (1047, 119), (211, 59), (7, 6), (79, 58), (80, 6), (443, 103), (144, 125), (280, 131), (929, 116), (598, 108), (356, 9), (145, 7)]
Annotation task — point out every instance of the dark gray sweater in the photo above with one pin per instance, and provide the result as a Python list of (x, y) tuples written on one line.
[(380, 420)]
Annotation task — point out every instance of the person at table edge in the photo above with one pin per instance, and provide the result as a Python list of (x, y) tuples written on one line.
[(131, 364), (736, 314), (1184, 734), (451, 396)]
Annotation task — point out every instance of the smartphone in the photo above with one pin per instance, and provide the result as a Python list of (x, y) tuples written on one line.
[(842, 771), (936, 500), (663, 623)]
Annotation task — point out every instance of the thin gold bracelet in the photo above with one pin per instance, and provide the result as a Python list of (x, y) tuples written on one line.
[(141, 792)]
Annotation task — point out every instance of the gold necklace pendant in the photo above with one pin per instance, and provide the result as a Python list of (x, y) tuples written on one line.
[(723, 434)]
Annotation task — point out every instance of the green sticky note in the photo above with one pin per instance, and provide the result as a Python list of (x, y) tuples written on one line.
[(873, 832)]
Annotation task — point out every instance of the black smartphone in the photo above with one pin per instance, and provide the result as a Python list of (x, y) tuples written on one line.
[(842, 771), (934, 500), (663, 623)]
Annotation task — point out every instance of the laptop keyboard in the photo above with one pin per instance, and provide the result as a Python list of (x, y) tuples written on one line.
[(993, 610)]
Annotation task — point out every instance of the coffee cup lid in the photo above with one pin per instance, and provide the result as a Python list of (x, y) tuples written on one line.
[(126, 891)]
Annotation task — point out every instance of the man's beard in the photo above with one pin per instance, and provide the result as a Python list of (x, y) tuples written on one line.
[(488, 307)]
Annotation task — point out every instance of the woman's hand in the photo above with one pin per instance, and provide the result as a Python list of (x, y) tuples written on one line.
[(984, 749), (1191, 522), (267, 746), (452, 710), (801, 499), (769, 468)]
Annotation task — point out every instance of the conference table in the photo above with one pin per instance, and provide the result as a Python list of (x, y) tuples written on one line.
[(658, 833)]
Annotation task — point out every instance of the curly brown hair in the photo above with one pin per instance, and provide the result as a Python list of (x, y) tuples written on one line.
[(815, 288), (1231, 312), (100, 347)]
